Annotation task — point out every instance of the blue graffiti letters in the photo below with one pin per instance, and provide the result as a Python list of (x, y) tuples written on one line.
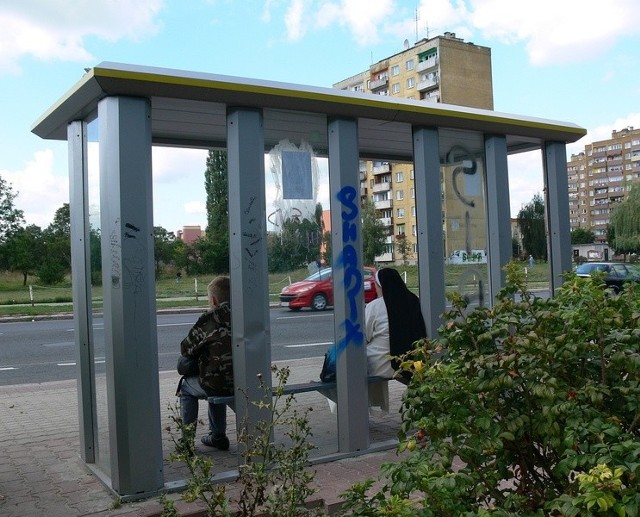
[(348, 259)]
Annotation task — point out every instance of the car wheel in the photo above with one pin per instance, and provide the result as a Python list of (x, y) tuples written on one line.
[(319, 302), (613, 289)]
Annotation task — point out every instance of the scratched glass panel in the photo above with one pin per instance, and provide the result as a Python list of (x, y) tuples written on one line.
[(101, 422), (464, 214)]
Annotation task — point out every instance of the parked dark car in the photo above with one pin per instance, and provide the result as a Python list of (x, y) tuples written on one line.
[(615, 273), (316, 291)]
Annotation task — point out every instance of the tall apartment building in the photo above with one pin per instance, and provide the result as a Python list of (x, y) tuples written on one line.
[(442, 69), (599, 178)]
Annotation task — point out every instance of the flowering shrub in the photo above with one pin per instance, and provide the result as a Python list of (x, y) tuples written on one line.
[(522, 409)]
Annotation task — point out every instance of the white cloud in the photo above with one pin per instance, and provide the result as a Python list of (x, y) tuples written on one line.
[(557, 32), (604, 132), (195, 207), (51, 30), (294, 20), (176, 164), (363, 18), (525, 179), (40, 192)]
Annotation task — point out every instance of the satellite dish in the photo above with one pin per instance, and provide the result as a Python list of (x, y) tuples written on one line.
[(406, 44)]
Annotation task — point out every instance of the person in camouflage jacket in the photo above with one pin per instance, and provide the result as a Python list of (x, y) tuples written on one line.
[(206, 363)]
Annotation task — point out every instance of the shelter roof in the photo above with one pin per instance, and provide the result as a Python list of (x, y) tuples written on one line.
[(189, 109)]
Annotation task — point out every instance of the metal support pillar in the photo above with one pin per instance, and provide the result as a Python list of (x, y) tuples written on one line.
[(557, 211), (346, 246), (128, 281), (248, 264), (81, 267), (426, 158), (498, 211)]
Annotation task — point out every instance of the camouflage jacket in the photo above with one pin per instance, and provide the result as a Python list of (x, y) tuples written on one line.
[(209, 342)]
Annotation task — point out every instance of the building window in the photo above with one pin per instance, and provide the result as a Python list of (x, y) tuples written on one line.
[(399, 177), (411, 174), (413, 211), (395, 70), (400, 228), (395, 88), (399, 195), (410, 64), (411, 82), (400, 215), (414, 231), (413, 193)]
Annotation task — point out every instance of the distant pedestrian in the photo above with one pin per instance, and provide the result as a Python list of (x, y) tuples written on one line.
[(530, 261)]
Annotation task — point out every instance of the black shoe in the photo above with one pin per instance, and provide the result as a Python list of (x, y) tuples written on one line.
[(219, 442)]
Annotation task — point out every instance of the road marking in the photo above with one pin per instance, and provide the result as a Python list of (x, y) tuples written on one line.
[(99, 360), (304, 316), (309, 344), (95, 327), (101, 327), (7, 368)]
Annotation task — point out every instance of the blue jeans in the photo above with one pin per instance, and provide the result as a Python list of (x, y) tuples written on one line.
[(190, 394)]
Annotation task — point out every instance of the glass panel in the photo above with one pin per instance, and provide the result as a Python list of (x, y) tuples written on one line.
[(101, 413), (464, 214)]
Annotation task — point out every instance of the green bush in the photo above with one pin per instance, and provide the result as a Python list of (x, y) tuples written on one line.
[(531, 407)]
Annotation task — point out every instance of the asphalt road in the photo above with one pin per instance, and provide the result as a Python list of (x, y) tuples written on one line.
[(43, 351)]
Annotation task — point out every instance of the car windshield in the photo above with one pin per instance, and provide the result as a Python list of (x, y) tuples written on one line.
[(318, 276), (590, 268), (634, 269)]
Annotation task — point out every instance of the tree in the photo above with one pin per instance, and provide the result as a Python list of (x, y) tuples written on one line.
[(164, 244), (216, 185), (24, 251), (374, 233), (296, 245), (403, 247), (57, 239), (582, 236), (531, 222), (11, 219), (625, 221)]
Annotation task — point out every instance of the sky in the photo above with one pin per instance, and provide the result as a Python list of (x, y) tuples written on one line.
[(574, 61)]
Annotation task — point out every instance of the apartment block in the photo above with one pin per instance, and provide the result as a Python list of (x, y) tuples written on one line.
[(600, 177), (443, 69)]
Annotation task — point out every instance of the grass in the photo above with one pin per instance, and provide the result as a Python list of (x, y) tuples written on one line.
[(191, 291)]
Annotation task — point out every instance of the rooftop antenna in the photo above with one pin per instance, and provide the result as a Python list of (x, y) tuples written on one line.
[(417, 18)]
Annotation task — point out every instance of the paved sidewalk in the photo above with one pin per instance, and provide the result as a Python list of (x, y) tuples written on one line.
[(41, 472)]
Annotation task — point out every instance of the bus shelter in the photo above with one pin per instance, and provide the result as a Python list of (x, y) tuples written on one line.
[(127, 109)]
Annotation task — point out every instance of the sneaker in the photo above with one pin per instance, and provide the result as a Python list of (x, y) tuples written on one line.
[(219, 442)]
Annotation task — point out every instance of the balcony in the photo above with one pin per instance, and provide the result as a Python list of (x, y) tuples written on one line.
[(385, 257), (432, 96), (385, 221), (378, 84), (429, 82), (383, 186), (383, 205), (427, 63), (381, 168)]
